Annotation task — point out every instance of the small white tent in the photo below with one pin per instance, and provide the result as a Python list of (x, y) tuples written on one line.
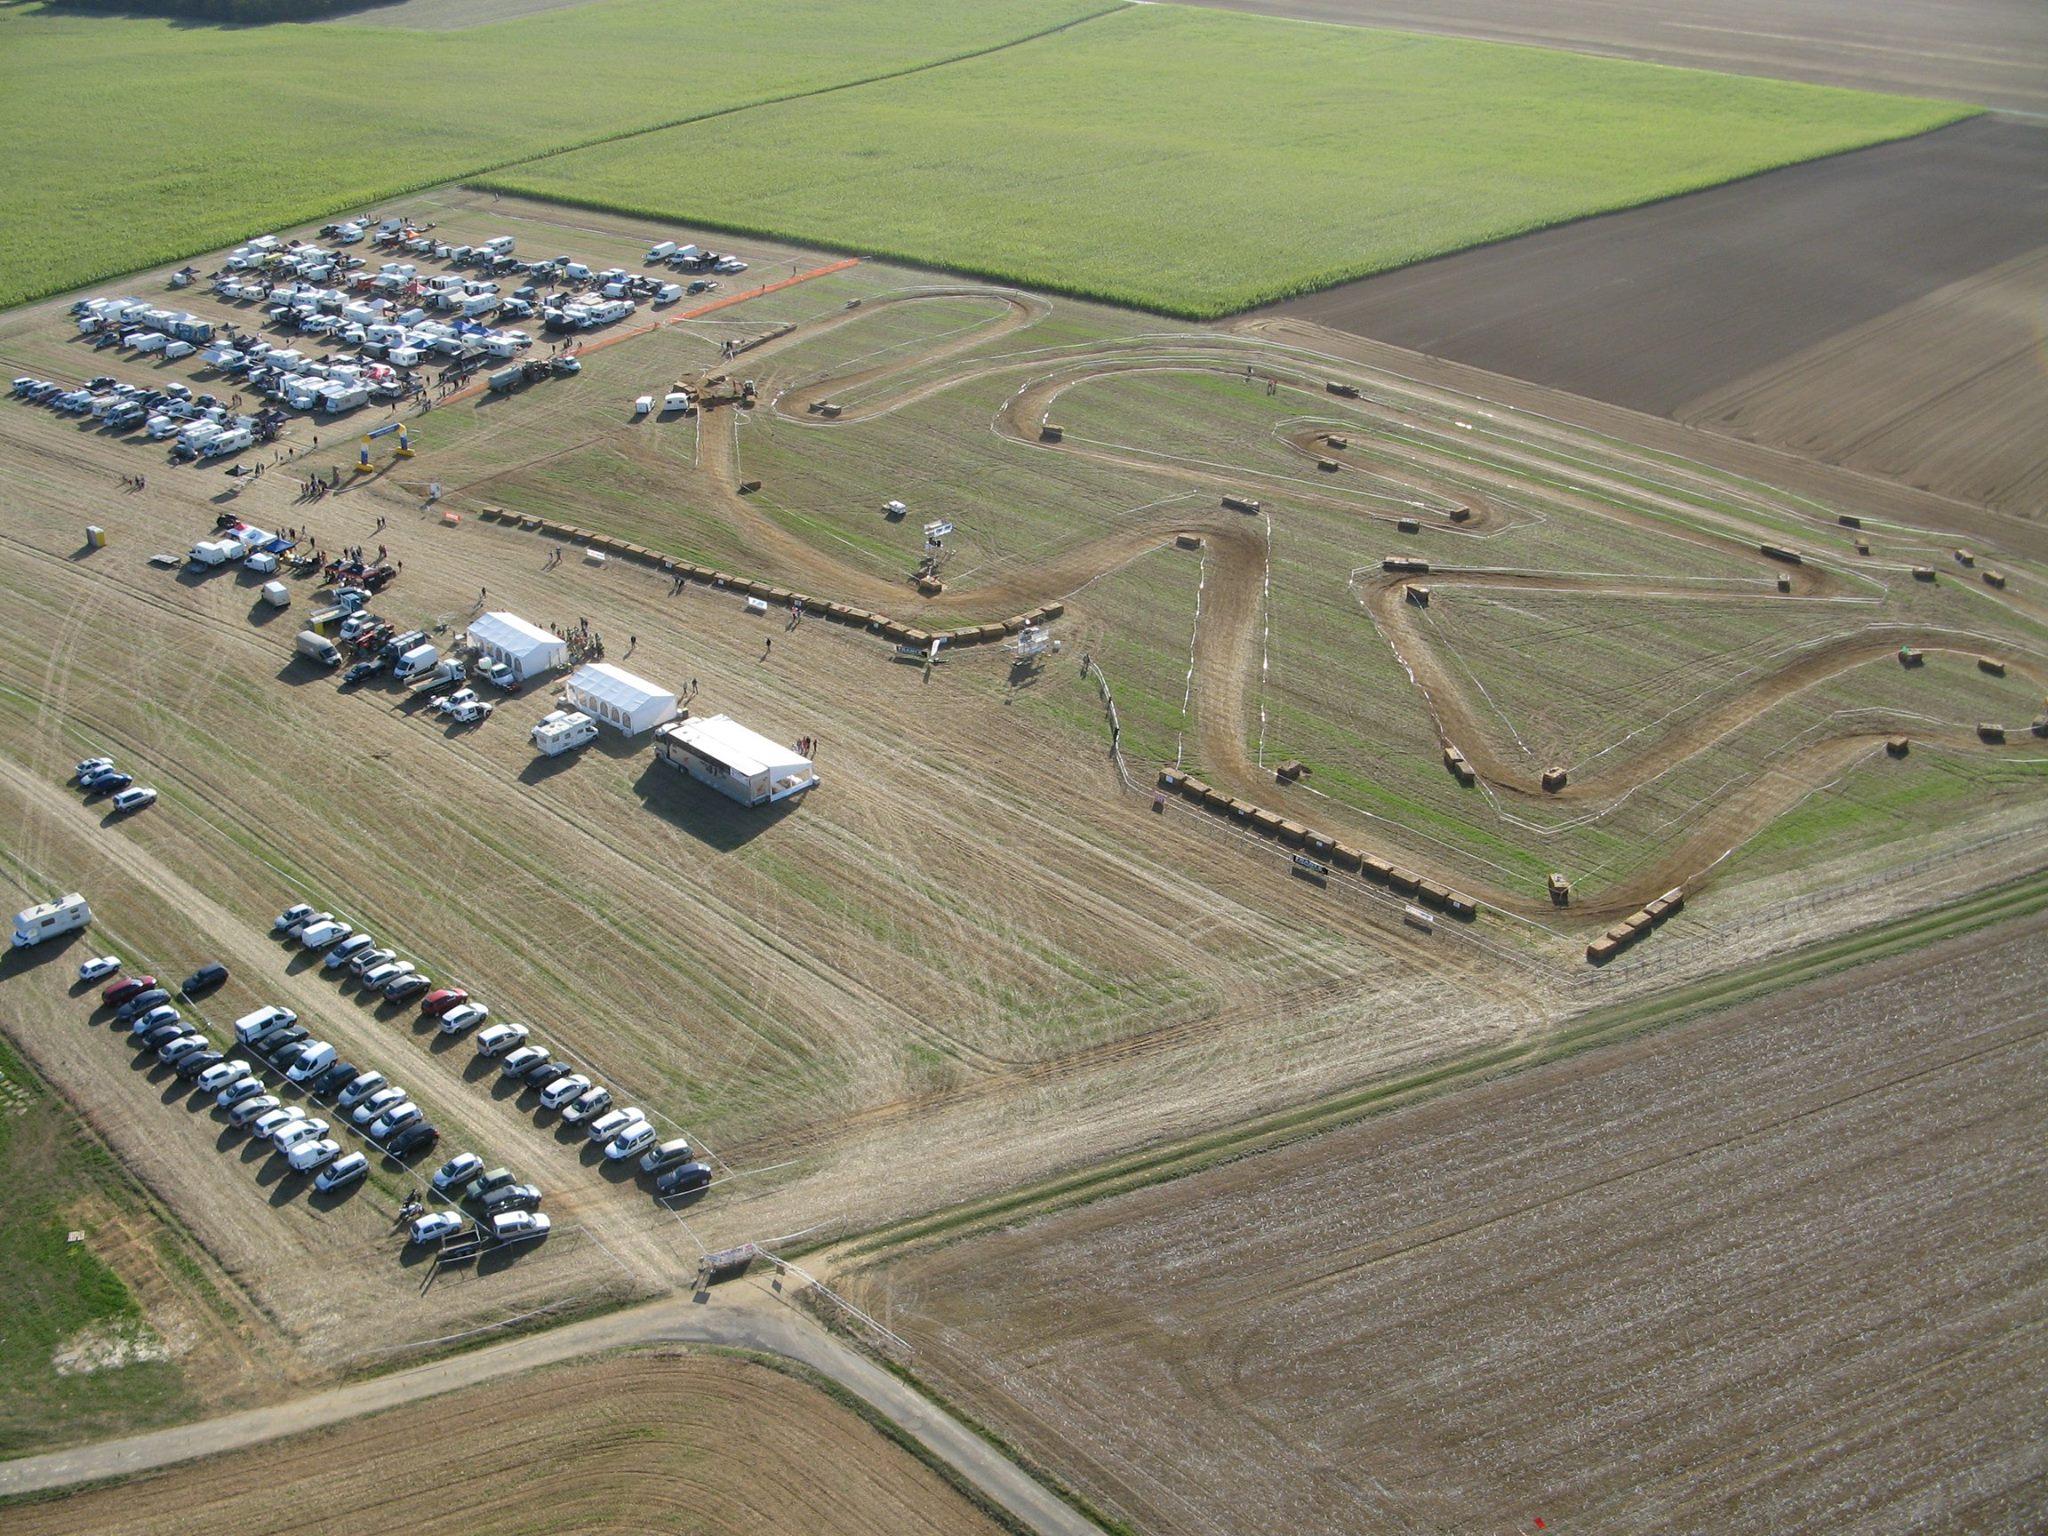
[(526, 648), (618, 698), (735, 761)]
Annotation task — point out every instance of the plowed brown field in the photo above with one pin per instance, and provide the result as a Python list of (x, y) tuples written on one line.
[(1782, 1268)]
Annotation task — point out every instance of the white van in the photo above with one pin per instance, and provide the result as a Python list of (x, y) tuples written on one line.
[(415, 661), (67, 914), (252, 1027), (661, 252)]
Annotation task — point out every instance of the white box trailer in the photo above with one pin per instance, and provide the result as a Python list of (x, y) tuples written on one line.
[(277, 594), (67, 914)]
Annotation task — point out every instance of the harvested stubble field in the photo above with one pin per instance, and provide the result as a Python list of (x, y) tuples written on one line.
[(660, 1443), (1776, 1269), (1331, 153), (970, 951)]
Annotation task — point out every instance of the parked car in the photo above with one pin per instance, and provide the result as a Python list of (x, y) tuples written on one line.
[(161, 1034), (378, 977), (520, 1226), (279, 1041), (268, 1124), (299, 925), (484, 1183), (499, 1039), (162, 1013), (341, 1173), (417, 1137), (361, 671), (682, 1179), (630, 1142), (441, 999), (613, 1122), (434, 1227), (457, 1171), (545, 1074), (115, 993), (237, 1093), (177, 1048), (98, 966), (366, 960), (405, 986), (564, 1090), (369, 1109), (205, 979), (89, 767), (198, 1063), (595, 1102), (253, 1108), (222, 1074), (141, 1002), (463, 1016), (667, 1155), (291, 917), (287, 1137), (308, 1155), (519, 1062), (108, 782), (346, 950), (396, 1118), (338, 1076), (365, 1084), (511, 1197), (132, 800)]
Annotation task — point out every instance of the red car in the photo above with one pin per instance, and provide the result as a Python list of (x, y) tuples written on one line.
[(441, 999), (114, 993)]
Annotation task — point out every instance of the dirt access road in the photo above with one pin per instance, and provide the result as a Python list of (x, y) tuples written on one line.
[(744, 1315), (1779, 1268), (1986, 51)]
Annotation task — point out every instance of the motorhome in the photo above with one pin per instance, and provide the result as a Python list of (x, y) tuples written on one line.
[(67, 914)]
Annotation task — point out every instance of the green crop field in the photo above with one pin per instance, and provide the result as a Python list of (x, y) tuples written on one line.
[(1198, 163), (55, 1296), (130, 141)]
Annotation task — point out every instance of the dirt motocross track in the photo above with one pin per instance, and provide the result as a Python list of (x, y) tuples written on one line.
[(1033, 383)]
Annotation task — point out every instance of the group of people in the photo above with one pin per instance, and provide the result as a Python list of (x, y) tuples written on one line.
[(132, 482), (808, 747)]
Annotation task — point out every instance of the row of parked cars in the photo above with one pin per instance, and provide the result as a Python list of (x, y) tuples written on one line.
[(624, 1133), (507, 1210), (156, 1025), (98, 776)]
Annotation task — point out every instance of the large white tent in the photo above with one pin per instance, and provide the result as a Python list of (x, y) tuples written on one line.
[(735, 761), (526, 648), (618, 698)]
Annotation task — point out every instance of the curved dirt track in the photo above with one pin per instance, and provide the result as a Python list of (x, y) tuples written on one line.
[(1431, 479)]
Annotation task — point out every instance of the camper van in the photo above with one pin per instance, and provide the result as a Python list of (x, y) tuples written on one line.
[(563, 730), (67, 914)]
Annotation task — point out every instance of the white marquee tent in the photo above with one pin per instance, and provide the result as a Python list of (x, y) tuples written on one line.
[(618, 698), (526, 648), (736, 761)]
